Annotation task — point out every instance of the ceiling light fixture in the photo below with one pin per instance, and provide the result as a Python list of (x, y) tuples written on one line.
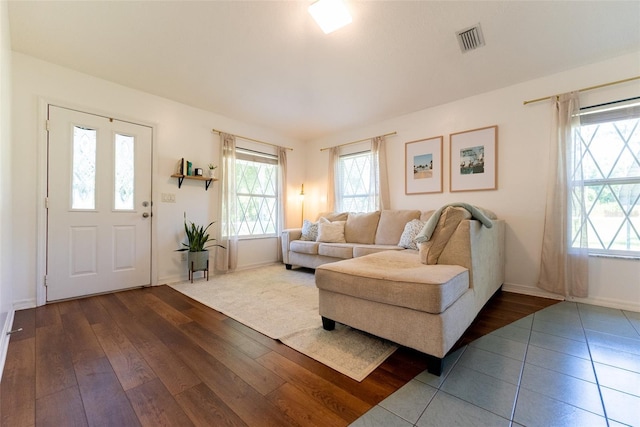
[(330, 14)]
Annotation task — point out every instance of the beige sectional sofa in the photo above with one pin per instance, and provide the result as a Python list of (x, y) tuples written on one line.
[(421, 298)]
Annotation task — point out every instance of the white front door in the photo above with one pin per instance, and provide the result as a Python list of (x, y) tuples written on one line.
[(99, 204)]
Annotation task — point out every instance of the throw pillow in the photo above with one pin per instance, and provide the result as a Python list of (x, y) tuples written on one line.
[(411, 230), (309, 231), (331, 232)]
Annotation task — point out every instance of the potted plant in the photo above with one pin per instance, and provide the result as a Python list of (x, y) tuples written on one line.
[(212, 169), (197, 243)]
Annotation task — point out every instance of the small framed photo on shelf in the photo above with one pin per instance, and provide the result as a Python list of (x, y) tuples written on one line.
[(474, 159), (423, 166)]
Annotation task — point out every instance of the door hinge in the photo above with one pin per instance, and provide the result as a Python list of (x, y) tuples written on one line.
[(46, 124), (46, 281), (46, 203)]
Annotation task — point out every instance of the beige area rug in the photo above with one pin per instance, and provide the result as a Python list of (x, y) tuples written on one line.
[(283, 304)]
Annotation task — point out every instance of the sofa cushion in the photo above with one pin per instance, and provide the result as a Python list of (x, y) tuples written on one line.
[(362, 250), (309, 231), (396, 278), (411, 230), (334, 216), (425, 215), (330, 232), (361, 227), (304, 247), (336, 250), (392, 224), (449, 219)]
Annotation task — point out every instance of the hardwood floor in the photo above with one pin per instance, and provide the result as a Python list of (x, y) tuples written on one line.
[(155, 357)]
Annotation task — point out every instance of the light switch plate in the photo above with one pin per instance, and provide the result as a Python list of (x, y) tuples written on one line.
[(168, 197)]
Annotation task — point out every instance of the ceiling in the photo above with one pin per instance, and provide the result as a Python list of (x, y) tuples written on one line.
[(267, 62)]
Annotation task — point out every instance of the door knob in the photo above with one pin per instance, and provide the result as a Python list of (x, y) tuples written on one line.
[(145, 215)]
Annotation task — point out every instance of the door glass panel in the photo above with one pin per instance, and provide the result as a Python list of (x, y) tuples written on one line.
[(123, 192), (83, 185)]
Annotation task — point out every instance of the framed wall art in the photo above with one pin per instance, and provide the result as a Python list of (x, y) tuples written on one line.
[(474, 159), (423, 166)]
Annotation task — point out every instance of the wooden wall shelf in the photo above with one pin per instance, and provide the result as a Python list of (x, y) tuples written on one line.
[(181, 178)]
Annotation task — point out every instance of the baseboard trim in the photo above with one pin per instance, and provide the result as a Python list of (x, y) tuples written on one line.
[(528, 290), (25, 303), (4, 339), (609, 303), (257, 265), (602, 302), (170, 280)]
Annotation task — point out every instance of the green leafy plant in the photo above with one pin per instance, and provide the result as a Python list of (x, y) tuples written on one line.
[(212, 166), (197, 237)]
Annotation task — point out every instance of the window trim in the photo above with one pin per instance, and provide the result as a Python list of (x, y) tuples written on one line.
[(627, 109), (249, 155), (371, 197)]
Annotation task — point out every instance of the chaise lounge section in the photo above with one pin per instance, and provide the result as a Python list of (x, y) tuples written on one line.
[(422, 299)]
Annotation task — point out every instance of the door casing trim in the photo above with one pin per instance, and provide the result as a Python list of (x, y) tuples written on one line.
[(41, 179)]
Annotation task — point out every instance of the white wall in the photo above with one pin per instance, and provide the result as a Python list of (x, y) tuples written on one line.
[(185, 131), (180, 131), (523, 150), (6, 238)]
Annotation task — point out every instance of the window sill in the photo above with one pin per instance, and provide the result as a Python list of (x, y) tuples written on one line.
[(622, 257), (264, 236)]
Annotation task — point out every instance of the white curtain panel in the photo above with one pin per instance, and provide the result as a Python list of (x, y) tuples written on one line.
[(227, 259), (332, 189), (379, 169), (564, 261), (282, 183)]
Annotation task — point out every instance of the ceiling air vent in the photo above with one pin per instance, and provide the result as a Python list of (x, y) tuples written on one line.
[(470, 38)]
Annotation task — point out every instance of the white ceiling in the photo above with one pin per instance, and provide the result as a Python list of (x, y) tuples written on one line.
[(267, 62)]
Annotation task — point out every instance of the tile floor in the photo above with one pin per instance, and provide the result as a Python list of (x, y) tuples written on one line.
[(567, 365)]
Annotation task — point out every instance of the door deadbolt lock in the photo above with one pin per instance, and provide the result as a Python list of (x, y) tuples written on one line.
[(145, 204)]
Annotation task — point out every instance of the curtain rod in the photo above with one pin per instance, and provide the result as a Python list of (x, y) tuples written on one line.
[(355, 142), (585, 89), (253, 140)]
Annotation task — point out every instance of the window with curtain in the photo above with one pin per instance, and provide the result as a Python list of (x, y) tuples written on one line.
[(257, 193), (610, 140), (355, 185)]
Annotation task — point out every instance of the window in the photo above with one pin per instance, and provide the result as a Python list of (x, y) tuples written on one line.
[(610, 140), (257, 193), (124, 172), (356, 183), (83, 182)]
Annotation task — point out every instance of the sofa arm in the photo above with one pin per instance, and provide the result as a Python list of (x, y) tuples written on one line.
[(288, 236)]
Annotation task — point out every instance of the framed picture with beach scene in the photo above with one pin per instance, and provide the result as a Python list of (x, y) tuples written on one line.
[(423, 166), (474, 159)]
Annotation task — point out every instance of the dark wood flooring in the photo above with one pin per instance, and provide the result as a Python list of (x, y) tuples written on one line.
[(155, 357)]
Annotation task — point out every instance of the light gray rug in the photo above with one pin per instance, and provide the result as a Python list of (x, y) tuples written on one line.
[(283, 304)]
